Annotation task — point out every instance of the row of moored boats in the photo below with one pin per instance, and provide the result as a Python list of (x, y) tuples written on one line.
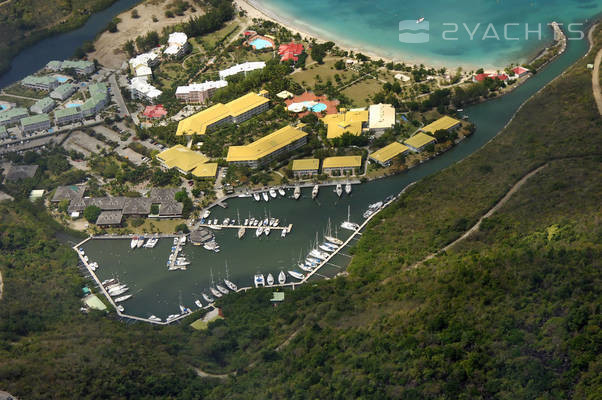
[(140, 241)]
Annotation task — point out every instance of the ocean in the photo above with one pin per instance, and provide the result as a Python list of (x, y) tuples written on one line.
[(469, 33)]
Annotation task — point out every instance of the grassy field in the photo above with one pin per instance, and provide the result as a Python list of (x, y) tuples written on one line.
[(19, 102), (23, 91), (360, 91), (210, 41), (325, 71)]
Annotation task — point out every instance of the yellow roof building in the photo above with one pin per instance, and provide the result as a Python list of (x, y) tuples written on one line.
[(346, 121), (384, 155), (444, 123), (342, 162), (307, 164), (419, 140), (265, 146), (207, 170), (199, 122), (182, 158)]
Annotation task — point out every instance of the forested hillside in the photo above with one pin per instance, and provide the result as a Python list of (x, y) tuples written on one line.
[(513, 312), (25, 21)]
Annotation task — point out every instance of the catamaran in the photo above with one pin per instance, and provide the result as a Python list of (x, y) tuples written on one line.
[(281, 278), (297, 193), (259, 280), (265, 196), (222, 289), (348, 188), (123, 298), (270, 279), (339, 190), (256, 196), (281, 192), (314, 192), (296, 275), (273, 193), (208, 298), (198, 303)]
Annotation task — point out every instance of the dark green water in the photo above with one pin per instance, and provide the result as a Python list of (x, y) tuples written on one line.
[(158, 291)]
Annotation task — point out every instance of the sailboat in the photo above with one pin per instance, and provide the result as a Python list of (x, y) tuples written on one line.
[(297, 193), (273, 193), (265, 196), (296, 275), (284, 232), (270, 279), (228, 283), (348, 188), (256, 196), (314, 192), (213, 290), (281, 192), (259, 231), (352, 226), (281, 278), (241, 232), (339, 190), (266, 231), (198, 303), (222, 289), (208, 298)]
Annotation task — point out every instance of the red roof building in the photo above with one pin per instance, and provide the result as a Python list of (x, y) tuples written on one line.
[(290, 51), (520, 71), (482, 77), (156, 111)]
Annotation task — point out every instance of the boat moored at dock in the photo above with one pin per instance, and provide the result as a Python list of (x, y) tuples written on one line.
[(314, 191), (265, 196), (259, 280), (270, 279), (273, 193), (339, 190), (297, 193), (282, 278), (296, 275), (348, 188)]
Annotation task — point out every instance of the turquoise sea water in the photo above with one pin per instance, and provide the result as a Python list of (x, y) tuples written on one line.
[(373, 25)]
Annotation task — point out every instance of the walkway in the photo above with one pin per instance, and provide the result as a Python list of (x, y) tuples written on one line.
[(1, 286), (3, 93), (596, 81), (488, 214)]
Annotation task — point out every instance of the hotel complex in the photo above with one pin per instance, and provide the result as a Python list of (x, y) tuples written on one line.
[(236, 111), (268, 148), (353, 122), (244, 67), (342, 164), (199, 92), (187, 161), (444, 123), (388, 153)]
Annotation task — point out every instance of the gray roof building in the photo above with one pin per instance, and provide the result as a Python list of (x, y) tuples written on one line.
[(107, 218), (170, 209), (13, 115), (137, 206), (17, 172), (163, 195), (43, 105), (63, 92), (71, 192)]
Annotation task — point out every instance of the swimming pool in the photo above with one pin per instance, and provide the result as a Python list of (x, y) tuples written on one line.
[(71, 105), (3, 107), (260, 44), (319, 107), (61, 79)]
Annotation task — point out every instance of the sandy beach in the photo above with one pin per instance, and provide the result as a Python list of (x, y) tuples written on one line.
[(108, 46)]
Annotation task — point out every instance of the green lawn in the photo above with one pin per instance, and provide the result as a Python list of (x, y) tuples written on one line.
[(360, 91), (210, 41), (325, 71)]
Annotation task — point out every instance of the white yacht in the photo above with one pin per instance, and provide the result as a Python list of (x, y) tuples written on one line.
[(231, 285), (198, 303), (259, 280), (215, 292), (140, 242), (222, 289), (296, 275), (284, 232), (270, 279), (266, 231), (265, 196), (182, 262), (206, 214), (318, 254), (241, 232), (297, 193), (256, 196), (348, 188), (246, 222), (208, 298), (171, 317), (273, 193), (339, 190), (352, 226), (334, 240), (259, 231), (281, 277), (151, 243), (314, 192), (123, 298), (281, 192), (372, 209), (154, 318), (134, 242)]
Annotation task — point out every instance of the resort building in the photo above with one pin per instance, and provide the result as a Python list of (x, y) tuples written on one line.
[(344, 165), (68, 115), (109, 218), (43, 106), (244, 67), (98, 100), (141, 89), (35, 123), (142, 71), (353, 122), (70, 193), (306, 167), (149, 59), (236, 111), (419, 141), (155, 112), (17, 172), (520, 71), (177, 45), (444, 123), (388, 153), (482, 77), (268, 148), (290, 51), (381, 117), (63, 92), (40, 82), (79, 67), (199, 92), (12, 116), (187, 161)]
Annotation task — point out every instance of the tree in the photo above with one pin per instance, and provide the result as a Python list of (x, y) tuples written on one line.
[(129, 48), (112, 27), (318, 53), (340, 64), (181, 196), (182, 228), (135, 14), (154, 209), (91, 213)]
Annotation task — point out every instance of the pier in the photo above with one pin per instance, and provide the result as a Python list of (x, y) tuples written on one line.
[(219, 226), (172, 261)]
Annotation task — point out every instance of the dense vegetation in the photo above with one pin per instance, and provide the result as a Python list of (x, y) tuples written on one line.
[(511, 313), (24, 22)]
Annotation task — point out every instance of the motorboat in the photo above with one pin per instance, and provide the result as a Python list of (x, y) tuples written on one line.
[(271, 222), (154, 318), (226, 221), (120, 308), (348, 188), (419, 20), (276, 222), (171, 317), (270, 279), (181, 262), (284, 232), (134, 242), (117, 292), (273, 193), (281, 278), (259, 280), (255, 222), (231, 285), (215, 292), (266, 231), (241, 232), (314, 192), (211, 245), (265, 196), (151, 243), (176, 241), (208, 298), (222, 289), (334, 240), (259, 231), (206, 214), (108, 282), (256, 196), (185, 310), (246, 222), (112, 285), (123, 298), (93, 266), (339, 190), (183, 239), (372, 208), (296, 275), (198, 303), (140, 242), (297, 193), (266, 222), (215, 221), (281, 192)]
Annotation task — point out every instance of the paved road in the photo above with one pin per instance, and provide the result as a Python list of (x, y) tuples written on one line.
[(123, 110), (596, 81)]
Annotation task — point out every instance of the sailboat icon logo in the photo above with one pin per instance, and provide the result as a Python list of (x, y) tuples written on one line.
[(413, 32)]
